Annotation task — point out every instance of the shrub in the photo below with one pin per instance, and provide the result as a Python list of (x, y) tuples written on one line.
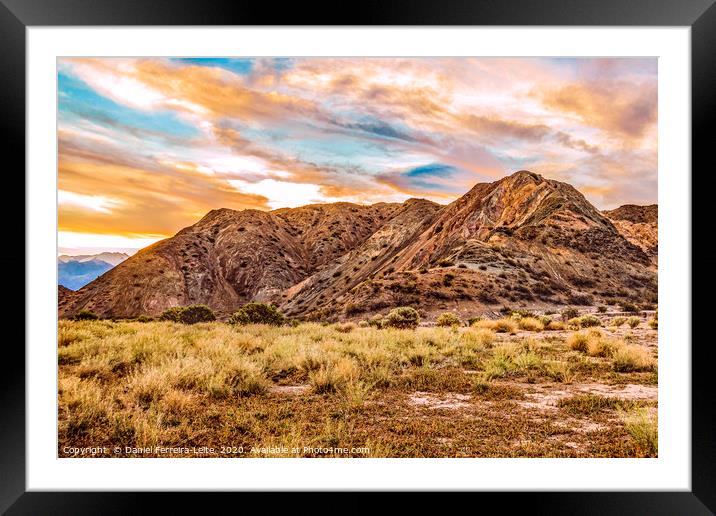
[(574, 323), (601, 309), (554, 326), (527, 360), (498, 366), (258, 313), (618, 321), (477, 338), (530, 324), (145, 318), (579, 341), (633, 358), (654, 324), (334, 376), (445, 263), (404, 317), (172, 314), (569, 313), (447, 279), (193, 314), (588, 321), (499, 325), (560, 372), (633, 322), (629, 307), (86, 315), (447, 319), (643, 428), (601, 347), (376, 321)]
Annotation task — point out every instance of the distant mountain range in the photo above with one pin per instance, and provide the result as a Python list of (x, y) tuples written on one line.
[(520, 241), (74, 272)]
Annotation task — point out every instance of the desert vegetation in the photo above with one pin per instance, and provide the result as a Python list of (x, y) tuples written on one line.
[(522, 385)]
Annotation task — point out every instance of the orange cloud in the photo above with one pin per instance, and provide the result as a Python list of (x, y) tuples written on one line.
[(145, 200), (625, 110)]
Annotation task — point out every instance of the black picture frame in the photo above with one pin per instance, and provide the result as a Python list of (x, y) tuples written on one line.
[(17, 15)]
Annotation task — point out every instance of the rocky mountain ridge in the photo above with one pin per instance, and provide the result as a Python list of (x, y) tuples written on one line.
[(522, 241)]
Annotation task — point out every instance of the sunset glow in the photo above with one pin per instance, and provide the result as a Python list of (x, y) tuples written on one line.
[(147, 146)]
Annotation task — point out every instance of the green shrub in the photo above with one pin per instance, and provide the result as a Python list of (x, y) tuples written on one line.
[(633, 322), (445, 263), (629, 307), (145, 318), (376, 321), (654, 323), (601, 309), (587, 321), (172, 314), (448, 319), (191, 314), (618, 321), (258, 313), (86, 315), (643, 428), (569, 313), (404, 317)]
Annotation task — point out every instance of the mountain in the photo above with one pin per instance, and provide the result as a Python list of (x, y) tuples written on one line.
[(74, 272), (230, 257), (521, 241), (111, 258), (639, 225)]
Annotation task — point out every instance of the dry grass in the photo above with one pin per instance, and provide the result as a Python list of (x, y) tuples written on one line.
[(628, 358), (555, 326), (530, 324), (618, 321), (633, 322), (643, 428), (211, 384), (498, 325)]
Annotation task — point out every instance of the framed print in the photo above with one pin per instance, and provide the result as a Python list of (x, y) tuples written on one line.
[(450, 255)]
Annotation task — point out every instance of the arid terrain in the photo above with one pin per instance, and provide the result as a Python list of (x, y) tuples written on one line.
[(523, 241), (511, 387), (516, 321)]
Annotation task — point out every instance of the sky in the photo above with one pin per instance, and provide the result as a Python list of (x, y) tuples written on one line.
[(147, 146)]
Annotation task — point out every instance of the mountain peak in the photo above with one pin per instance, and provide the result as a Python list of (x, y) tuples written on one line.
[(525, 174), (522, 238)]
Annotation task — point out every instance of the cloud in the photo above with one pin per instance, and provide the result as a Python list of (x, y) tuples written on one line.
[(496, 128), (148, 145), (624, 110)]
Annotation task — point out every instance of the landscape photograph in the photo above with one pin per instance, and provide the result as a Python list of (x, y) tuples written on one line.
[(314, 257)]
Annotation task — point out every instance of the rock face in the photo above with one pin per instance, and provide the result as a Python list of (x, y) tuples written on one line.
[(231, 257), (639, 225), (520, 241)]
